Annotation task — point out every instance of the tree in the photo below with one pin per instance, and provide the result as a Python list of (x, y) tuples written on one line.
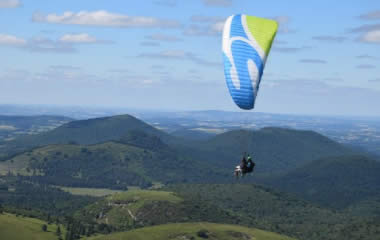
[(203, 233), (90, 230), (58, 232), (44, 227)]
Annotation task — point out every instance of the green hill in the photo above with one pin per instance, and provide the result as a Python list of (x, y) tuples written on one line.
[(369, 207), (336, 182), (279, 212), (38, 200), (140, 208), (193, 134), (137, 159), (84, 132), (273, 149), (194, 231), (24, 228)]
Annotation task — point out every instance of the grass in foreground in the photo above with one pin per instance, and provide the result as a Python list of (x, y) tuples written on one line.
[(20, 228), (194, 231)]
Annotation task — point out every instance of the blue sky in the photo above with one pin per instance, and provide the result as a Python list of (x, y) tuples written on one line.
[(166, 54)]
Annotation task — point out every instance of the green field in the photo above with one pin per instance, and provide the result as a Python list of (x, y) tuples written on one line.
[(147, 195), (20, 228), (95, 192), (139, 198), (190, 231)]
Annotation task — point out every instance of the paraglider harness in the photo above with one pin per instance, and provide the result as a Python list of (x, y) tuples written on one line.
[(246, 166), (250, 164)]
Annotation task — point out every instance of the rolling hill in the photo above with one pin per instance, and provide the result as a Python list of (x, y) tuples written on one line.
[(24, 228), (136, 159), (140, 208), (115, 152), (194, 231), (273, 149), (193, 134), (84, 132), (263, 208), (335, 182), (279, 212)]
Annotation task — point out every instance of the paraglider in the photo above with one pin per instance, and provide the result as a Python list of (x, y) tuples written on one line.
[(247, 41), (246, 166)]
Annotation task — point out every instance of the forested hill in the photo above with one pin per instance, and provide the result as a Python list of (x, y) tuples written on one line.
[(273, 149), (334, 182), (90, 131), (136, 159)]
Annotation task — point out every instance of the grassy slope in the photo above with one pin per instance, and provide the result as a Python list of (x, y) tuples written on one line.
[(139, 198), (188, 230), (95, 192), (140, 208), (123, 210), (24, 228)]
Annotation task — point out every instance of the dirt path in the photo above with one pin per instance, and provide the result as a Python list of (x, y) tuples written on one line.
[(131, 214)]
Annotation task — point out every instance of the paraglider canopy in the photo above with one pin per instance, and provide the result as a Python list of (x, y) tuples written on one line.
[(246, 44)]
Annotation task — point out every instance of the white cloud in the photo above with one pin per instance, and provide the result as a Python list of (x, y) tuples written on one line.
[(371, 37), (150, 44), (217, 27), (318, 97), (365, 28), (163, 37), (10, 3), (181, 55), (217, 3), (178, 54), (327, 38), (205, 26), (366, 56), (64, 68), (11, 40), (207, 19), (36, 44), (283, 22), (214, 29), (45, 45), (366, 66), (106, 19), (333, 79), (78, 38), (65, 44), (289, 49), (311, 60), (374, 15)]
